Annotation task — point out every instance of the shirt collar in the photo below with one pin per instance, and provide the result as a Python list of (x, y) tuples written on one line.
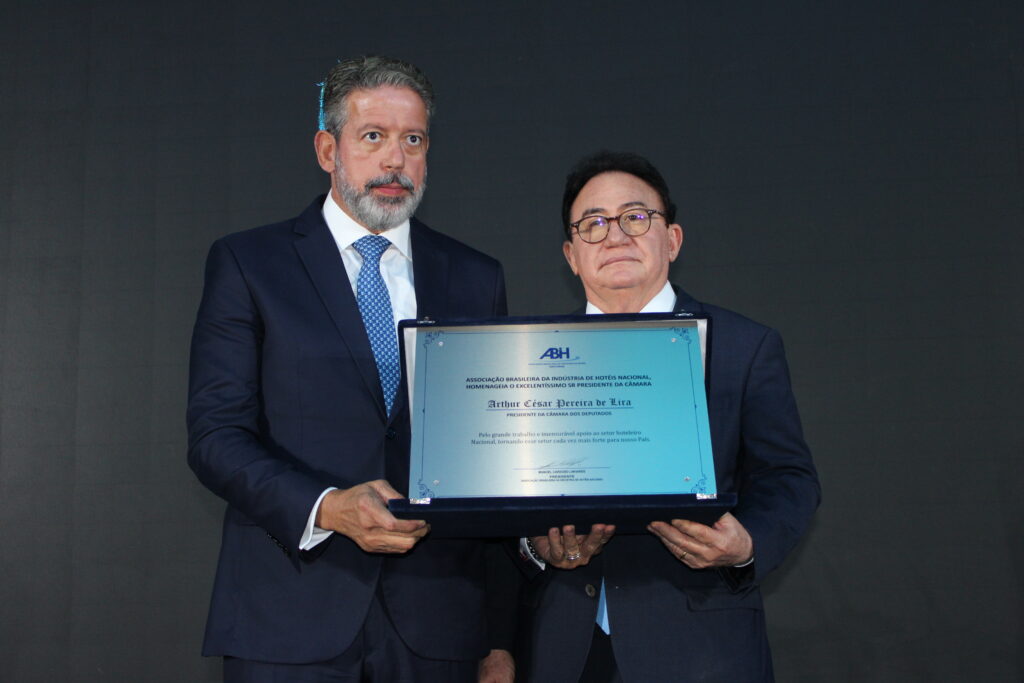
[(346, 231), (663, 302)]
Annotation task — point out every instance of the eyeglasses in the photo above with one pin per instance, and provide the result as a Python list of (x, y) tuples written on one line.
[(634, 222)]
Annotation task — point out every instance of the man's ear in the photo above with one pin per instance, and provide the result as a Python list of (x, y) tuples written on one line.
[(326, 149), (570, 256), (675, 241)]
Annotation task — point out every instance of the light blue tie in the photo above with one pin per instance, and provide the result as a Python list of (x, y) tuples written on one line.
[(602, 611), (375, 307)]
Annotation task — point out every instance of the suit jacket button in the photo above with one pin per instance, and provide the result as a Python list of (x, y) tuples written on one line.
[(590, 590), (391, 433)]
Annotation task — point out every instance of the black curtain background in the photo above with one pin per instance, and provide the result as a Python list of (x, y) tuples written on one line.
[(850, 173)]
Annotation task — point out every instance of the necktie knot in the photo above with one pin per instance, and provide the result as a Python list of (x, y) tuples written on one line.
[(372, 247)]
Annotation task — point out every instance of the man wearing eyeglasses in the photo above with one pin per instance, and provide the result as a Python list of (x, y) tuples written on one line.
[(682, 602)]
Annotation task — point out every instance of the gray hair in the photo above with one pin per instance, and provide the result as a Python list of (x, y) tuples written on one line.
[(368, 73)]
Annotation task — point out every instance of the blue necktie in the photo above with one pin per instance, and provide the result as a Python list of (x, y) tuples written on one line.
[(602, 611), (375, 307)]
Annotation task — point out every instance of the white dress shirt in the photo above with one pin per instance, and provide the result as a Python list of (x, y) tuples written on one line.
[(396, 269), (663, 302)]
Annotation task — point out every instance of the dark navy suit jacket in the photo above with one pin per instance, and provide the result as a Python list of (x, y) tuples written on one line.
[(284, 401), (670, 622)]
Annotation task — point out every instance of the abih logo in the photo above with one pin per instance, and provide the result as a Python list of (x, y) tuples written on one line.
[(556, 353), (557, 357)]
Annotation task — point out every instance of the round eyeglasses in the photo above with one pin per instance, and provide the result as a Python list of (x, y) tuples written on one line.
[(633, 222)]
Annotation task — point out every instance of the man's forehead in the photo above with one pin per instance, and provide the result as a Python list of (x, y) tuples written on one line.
[(615, 191), (618, 209), (382, 93), (387, 103)]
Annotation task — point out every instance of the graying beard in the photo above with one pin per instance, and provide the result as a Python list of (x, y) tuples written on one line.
[(369, 210)]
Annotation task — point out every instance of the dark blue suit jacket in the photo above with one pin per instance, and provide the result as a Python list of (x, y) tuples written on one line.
[(670, 622), (284, 401)]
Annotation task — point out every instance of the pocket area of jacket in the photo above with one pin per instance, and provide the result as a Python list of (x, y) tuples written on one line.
[(702, 599)]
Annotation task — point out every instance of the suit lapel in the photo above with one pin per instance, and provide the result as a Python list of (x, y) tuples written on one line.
[(319, 254), (685, 302), (430, 273)]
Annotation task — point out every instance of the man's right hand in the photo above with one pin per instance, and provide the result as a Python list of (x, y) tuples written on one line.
[(562, 548), (361, 513)]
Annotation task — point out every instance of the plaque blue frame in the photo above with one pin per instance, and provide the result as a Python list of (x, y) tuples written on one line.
[(519, 424)]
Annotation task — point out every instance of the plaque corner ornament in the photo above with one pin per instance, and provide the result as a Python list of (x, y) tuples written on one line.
[(426, 493), (681, 333), (431, 337)]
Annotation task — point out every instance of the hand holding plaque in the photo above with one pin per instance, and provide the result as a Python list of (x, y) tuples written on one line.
[(361, 513), (563, 549), (726, 543)]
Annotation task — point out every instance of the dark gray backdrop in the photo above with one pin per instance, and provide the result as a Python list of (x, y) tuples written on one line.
[(850, 173)]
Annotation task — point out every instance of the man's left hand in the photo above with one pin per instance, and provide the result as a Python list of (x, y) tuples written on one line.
[(698, 546), (497, 667)]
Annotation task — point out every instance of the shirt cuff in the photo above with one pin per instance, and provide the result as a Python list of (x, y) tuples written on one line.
[(314, 535), (526, 552), (745, 564)]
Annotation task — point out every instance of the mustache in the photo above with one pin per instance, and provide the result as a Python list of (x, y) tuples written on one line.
[(390, 178)]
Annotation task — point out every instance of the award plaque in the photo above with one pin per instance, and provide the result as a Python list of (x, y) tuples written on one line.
[(522, 424)]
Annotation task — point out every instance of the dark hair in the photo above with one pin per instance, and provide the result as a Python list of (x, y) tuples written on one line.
[(368, 73), (604, 162)]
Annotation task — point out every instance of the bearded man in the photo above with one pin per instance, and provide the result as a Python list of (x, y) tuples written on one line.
[(297, 420)]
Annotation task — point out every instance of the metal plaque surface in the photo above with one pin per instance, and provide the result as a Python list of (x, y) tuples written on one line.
[(558, 407)]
